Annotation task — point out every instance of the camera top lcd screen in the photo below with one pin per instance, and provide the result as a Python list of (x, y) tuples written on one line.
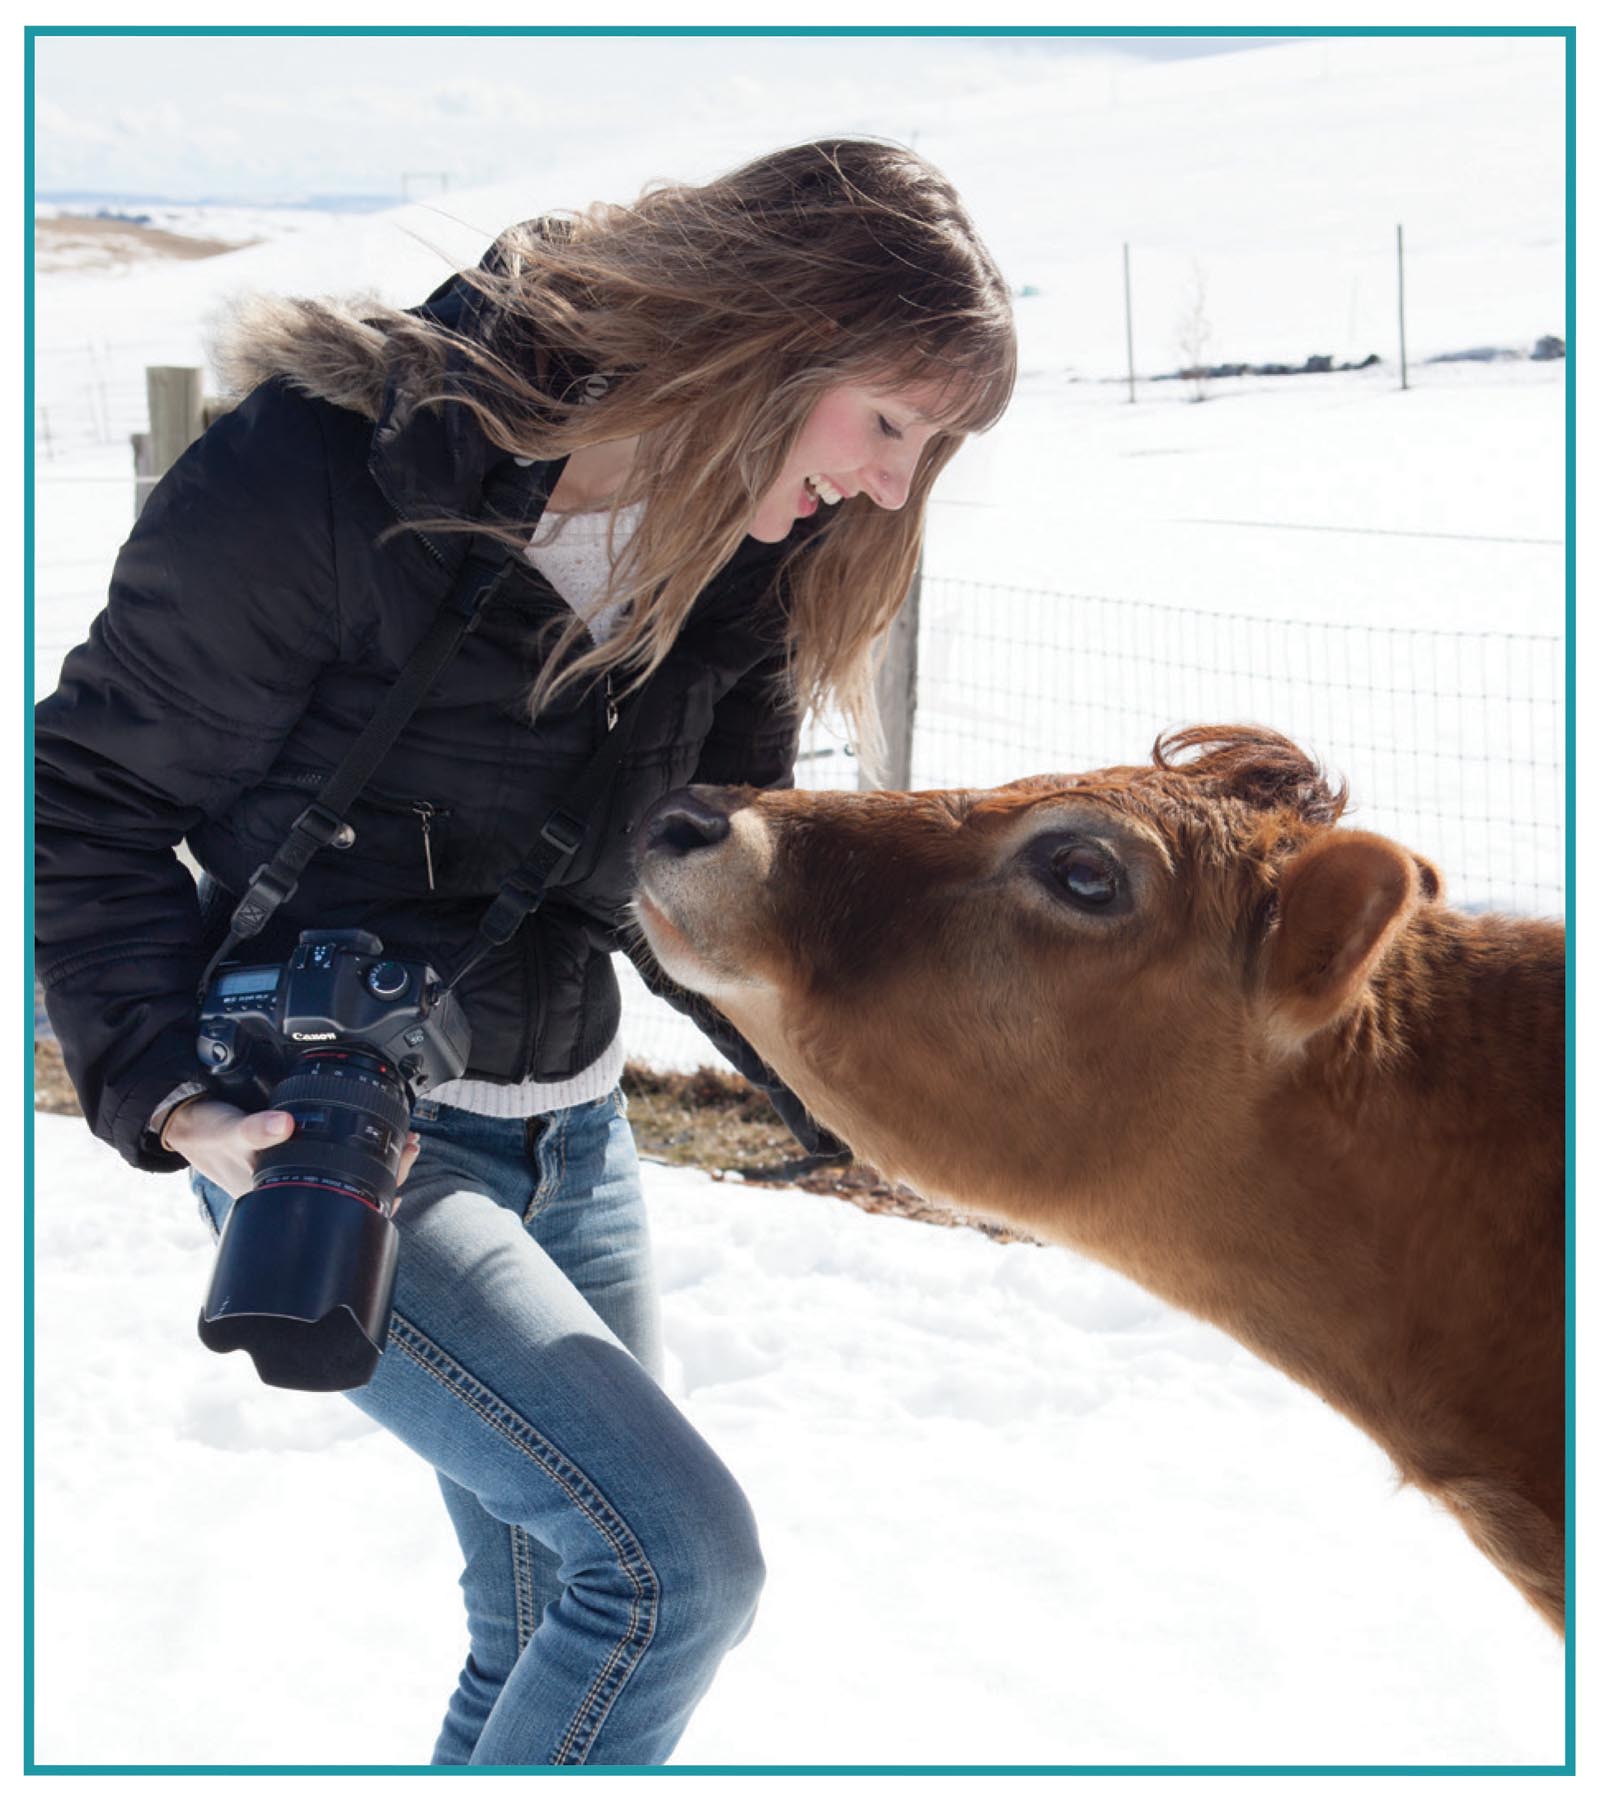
[(259, 980)]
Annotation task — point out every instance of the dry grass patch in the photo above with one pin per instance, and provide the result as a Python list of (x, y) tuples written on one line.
[(712, 1120), (722, 1124)]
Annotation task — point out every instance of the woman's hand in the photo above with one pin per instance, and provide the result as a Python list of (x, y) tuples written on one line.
[(221, 1142)]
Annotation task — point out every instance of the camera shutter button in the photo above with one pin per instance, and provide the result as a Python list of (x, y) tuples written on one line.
[(388, 979)]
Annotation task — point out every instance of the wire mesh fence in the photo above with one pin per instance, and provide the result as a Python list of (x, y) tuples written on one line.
[(1452, 743), (90, 393)]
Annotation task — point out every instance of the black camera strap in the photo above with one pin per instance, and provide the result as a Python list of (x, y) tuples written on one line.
[(564, 831), (514, 497)]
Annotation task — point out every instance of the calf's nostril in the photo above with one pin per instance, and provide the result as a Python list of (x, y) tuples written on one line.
[(682, 823)]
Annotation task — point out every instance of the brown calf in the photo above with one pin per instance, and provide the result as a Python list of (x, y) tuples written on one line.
[(1175, 1017)]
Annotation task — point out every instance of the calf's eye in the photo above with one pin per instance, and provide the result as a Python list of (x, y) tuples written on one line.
[(1089, 876)]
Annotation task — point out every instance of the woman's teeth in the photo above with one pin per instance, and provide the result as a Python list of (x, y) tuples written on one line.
[(824, 490)]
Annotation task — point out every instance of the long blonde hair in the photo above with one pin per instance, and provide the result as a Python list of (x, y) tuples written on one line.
[(718, 315)]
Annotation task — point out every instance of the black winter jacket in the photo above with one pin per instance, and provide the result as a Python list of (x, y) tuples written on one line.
[(256, 616)]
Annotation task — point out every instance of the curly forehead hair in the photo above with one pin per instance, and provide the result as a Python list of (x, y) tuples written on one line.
[(1250, 770), (1261, 768)]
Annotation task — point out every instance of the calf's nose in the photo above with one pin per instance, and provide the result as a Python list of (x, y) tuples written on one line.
[(684, 821)]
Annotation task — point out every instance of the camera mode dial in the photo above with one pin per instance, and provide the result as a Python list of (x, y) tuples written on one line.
[(388, 979)]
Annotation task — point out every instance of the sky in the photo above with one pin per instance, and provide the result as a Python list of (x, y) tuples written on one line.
[(288, 118)]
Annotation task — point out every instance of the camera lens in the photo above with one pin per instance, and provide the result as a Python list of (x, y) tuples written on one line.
[(350, 1115), (305, 1270)]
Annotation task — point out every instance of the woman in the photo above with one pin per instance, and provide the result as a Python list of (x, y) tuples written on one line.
[(736, 399)]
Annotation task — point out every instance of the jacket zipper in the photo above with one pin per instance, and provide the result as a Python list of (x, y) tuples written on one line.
[(307, 778), (425, 811)]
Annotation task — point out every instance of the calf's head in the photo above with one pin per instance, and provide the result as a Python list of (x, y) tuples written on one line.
[(1022, 997)]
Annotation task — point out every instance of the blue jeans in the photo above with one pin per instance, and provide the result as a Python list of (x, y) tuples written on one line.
[(610, 1558)]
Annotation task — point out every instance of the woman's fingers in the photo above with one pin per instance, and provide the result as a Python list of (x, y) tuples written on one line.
[(221, 1142), (409, 1157), (266, 1128)]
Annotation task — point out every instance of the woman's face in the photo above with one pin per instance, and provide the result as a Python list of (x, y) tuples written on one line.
[(858, 441)]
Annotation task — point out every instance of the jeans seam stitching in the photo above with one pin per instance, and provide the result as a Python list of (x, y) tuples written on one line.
[(624, 1658), (522, 1579)]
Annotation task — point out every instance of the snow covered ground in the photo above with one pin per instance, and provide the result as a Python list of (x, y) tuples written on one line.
[(1014, 1510)]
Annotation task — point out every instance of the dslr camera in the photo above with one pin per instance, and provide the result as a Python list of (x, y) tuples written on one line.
[(344, 1039)]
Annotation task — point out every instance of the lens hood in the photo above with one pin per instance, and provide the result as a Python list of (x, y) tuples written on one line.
[(303, 1281)]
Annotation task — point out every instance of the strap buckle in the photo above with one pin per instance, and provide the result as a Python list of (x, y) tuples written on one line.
[(563, 831), (317, 821)]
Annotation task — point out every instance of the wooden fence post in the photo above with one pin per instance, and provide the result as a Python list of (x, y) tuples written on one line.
[(177, 418), (896, 685)]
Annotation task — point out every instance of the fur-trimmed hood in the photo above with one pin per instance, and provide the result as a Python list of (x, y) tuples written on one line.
[(352, 351), (379, 362), (333, 350)]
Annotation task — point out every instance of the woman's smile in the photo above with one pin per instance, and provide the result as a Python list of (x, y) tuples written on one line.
[(857, 441)]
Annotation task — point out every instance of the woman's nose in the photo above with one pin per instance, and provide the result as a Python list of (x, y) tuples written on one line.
[(890, 484)]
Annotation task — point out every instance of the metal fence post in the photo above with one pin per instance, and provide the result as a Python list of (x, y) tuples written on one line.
[(1127, 314), (1400, 265)]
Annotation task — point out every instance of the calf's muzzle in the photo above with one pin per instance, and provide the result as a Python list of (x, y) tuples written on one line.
[(683, 822)]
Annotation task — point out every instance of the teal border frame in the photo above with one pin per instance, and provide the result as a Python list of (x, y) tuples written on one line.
[(1566, 32)]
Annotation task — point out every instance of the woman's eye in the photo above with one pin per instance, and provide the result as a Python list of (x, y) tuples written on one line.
[(1089, 876), (888, 429)]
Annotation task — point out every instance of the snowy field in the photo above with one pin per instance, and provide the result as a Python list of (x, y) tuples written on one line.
[(1014, 1511)]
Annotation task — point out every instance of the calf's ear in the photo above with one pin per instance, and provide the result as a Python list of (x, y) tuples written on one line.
[(1340, 904), (1430, 882)]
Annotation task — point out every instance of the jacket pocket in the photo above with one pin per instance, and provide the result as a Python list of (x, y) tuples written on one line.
[(405, 837)]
